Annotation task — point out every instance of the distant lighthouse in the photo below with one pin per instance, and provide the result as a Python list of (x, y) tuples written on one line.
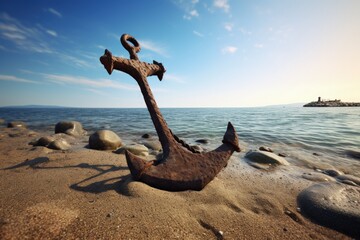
[(319, 99)]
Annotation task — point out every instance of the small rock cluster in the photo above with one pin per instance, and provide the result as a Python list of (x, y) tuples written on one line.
[(264, 158), (66, 132)]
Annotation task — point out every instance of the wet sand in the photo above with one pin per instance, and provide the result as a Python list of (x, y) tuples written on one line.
[(88, 194)]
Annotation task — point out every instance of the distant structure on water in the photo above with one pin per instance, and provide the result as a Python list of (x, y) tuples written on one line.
[(331, 103)]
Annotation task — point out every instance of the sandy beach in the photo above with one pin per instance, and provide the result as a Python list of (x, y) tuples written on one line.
[(88, 194)]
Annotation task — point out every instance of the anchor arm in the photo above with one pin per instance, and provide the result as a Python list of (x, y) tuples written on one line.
[(131, 66)]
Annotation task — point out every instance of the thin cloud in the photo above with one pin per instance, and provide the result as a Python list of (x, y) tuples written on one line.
[(198, 34), (229, 26), (153, 47), (52, 33), (245, 31), (189, 7), (191, 14), (222, 4), (54, 12), (229, 49), (83, 81), (15, 79), (173, 78), (23, 37), (258, 45), (96, 91)]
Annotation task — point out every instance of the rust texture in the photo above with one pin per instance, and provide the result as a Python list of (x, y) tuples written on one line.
[(179, 168)]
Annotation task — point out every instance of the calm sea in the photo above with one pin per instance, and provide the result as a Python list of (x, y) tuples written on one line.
[(296, 131)]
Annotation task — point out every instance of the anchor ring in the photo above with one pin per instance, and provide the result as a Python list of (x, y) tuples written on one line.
[(132, 49)]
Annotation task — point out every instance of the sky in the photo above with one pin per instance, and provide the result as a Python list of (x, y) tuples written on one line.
[(217, 53)]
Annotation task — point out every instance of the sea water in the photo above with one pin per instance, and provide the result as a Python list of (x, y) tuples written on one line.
[(296, 131)]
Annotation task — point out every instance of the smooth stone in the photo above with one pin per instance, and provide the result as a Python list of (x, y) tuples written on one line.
[(265, 149), (265, 158), (16, 124), (146, 135), (333, 172), (2, 121), (44, 141), (318, 177), (72, 128), (333, 205), (197, 148), (59, 144), (349, 178), (153, 145), (137, 149), (353, 154), (348, 182), (104, 140), (282, 155), (203, 141)]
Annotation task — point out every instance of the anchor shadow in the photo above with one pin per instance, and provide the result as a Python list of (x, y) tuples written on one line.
[(118, 184)]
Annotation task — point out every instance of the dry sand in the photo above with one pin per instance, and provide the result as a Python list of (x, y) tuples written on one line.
[(87, 194)]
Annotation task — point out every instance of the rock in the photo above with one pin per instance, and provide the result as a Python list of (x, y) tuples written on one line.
[(44, 141), (146, 135), (197, 148), (318, 177), (333, 172), (265, 158), (348, 182), (72, 128), (349, 178), (16, 124), (316, 154), (203, 141), (104, 140), (59, 144), (265, 149), (282, 155), (153, 145), (137, 149), (2, 121), (353, 154), (333, 205)]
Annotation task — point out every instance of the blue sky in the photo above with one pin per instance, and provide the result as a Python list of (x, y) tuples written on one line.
[(218, 53)]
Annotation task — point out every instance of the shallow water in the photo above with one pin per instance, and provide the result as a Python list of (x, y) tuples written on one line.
[(298, 132)]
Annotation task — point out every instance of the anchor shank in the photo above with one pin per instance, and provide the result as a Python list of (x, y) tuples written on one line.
[(162, 129), (140, 71)]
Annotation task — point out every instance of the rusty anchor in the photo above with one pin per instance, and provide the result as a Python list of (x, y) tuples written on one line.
[(180, 167)]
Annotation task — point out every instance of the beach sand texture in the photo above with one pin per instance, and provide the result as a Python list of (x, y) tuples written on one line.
[(87, 194)]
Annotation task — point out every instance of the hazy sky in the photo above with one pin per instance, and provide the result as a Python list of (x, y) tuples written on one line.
[(218, 53)]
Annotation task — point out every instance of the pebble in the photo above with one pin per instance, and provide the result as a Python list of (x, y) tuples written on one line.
[(332, 172), (137, 149), (59, 144), (146, 135), (104, 140), (72, 128), (266, 149), (333, 205), (153, 144), (265, 158), (353, 154), (318, 177), (16, 124), (203, 141), (349, 178)]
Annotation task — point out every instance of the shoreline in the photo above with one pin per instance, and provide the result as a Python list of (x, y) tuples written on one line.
[(84, 193)]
